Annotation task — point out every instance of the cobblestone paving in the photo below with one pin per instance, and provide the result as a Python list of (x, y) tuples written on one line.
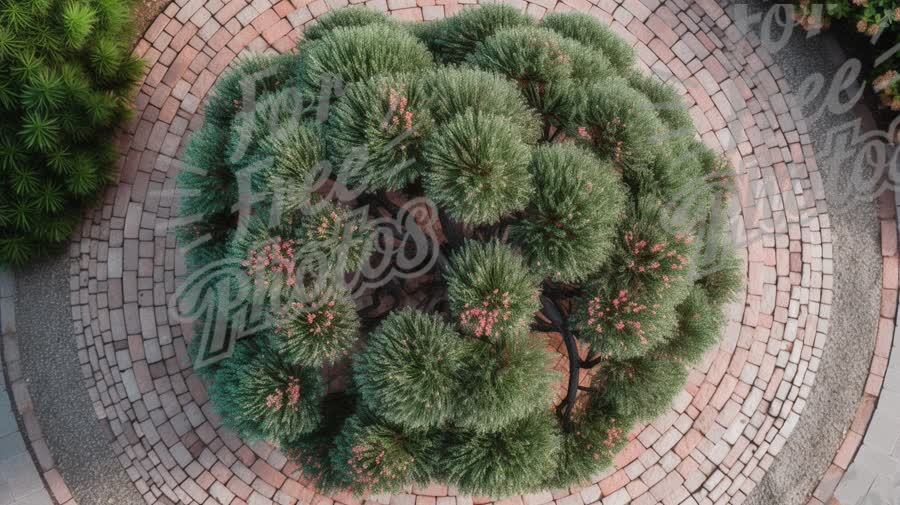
[(723, 431)]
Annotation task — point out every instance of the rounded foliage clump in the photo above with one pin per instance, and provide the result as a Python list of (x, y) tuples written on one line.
[(478, 168), (590, 32), (461, 34), (409, 370), (318, 331), (568, 225), (350, 17), (640, 388), (617, 122), (66, 75), (371, 456), (495, 239), (354, 54), (491, 290), (259, 395), (500, 463), (699, 325), (454, 90), (384, 122), (503, 382)]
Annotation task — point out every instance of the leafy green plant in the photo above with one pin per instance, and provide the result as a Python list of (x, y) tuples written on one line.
[(65, 81), (576, 220)]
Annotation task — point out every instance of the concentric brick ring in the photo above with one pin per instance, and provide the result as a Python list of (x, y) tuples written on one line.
[(723, 431)]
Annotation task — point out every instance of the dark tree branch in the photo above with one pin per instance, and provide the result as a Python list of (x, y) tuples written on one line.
[(592, 361), (552, 311)]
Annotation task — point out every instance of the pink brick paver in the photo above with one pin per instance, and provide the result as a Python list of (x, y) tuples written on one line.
[(723, 431)]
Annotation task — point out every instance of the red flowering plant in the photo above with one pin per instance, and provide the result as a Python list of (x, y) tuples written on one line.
[(563, 303)]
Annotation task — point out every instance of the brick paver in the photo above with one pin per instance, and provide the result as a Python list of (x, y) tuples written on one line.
[(723, 431)]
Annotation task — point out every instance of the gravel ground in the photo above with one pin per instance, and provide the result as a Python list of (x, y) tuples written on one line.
[(854, 316), (79, 442)]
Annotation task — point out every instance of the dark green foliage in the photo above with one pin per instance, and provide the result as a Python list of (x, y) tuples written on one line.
[(358, 53), (454, 90), (260, 396), (513, 460), (567, 229), (641, 388), (725, 274), (409, 370), (617, 122), (594, 34), (65, 78), (298, 168), (478, 168), (668, 104), (462, 33), (503, 382), (576, 205), (525, 55), (335, 236), (588, 446), (383, 120), (316, 332), (699, 325), (349, 17), (373, 456), (491, 290)]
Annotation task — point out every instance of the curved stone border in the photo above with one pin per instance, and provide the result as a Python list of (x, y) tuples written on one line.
[(43, 466), (725, 428), (866, 468)]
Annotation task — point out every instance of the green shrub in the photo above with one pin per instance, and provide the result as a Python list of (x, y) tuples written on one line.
[(454, 90), (358, 53), (503, 382), (317, 332), (372, 456), (385, 120), (462, 33), (504, 462), (478, 168), (588, 446), (260, 396), (349, 17), (592, 33), (699, 324), (567, 229), (641, 388), (617, 122), (66, 75), (577, 210), (491, 291), (409, 371)]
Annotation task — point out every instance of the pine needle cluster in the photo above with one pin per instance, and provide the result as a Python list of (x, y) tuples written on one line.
[(65, 81)]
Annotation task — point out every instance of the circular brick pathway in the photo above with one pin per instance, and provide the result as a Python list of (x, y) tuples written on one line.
[(722, 432)]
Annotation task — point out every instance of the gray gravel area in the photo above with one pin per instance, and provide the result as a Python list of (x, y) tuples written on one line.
[(857, 282), (79, 442)]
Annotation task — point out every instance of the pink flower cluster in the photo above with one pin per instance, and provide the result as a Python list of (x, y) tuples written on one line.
[(333, 222), (371, 472), (620, 313), (399, 115), (318, 318), (275, 257), (291, 393), (482, 318), (663, 257)]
